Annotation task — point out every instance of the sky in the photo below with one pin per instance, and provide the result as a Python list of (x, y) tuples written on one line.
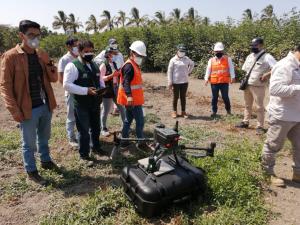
[(41, 11)]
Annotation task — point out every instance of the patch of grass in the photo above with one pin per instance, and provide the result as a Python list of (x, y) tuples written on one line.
[(9, 140), (151, 118)]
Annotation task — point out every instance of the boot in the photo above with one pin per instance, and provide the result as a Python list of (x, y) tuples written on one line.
[(277, 181), (35, 177)]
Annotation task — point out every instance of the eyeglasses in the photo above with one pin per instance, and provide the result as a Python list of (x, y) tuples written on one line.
[(32, 35)]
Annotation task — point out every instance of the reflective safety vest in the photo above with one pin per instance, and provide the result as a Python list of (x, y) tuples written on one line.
[(135, 85), (219, 71)]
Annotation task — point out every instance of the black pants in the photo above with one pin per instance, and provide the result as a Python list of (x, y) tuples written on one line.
[(224, 89), (179, 90), (88, 126)]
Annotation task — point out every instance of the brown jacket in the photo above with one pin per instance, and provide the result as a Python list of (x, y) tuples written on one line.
[(14, 84)]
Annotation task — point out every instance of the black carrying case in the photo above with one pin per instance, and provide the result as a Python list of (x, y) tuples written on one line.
[(152, 194)]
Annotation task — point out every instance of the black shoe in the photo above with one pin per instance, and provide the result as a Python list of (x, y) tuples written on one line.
[(213, 115), (142, 146), (229, 113), (242, 125), (260, 131), (98, 151), (50, 166), (35, 177), (87, 161)]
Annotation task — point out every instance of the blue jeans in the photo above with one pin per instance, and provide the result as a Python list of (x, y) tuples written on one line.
[(88, 126), (133, 112), (224, 88), (70, 122), (35, 133)]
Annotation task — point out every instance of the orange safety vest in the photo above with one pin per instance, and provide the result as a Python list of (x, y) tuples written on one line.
[(219, 70), (136, 86)]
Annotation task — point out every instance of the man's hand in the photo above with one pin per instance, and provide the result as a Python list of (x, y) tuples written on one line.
[(233, 80), (206, 82), (43, 56), (18, 117), (92, 91), (129, 101), (265, 77)]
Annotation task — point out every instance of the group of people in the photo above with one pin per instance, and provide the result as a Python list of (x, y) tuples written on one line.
[(93, 85)]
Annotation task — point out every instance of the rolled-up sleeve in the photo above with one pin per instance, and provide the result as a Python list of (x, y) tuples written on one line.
[(70, 75)]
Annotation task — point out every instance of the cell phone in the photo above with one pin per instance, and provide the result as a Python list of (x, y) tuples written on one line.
[(101, 91)]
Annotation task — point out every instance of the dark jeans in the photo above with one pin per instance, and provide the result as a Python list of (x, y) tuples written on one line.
[(133, 112), (179, 90), (88, 126), (224, 88)]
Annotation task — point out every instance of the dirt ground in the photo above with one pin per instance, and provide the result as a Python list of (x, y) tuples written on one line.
[(28, 208)]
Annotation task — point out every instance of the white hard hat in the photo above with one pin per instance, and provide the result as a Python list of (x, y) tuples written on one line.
[(139, 47), (219, 47)]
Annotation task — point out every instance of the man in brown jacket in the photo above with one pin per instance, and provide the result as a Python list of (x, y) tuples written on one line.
[(25, 76)]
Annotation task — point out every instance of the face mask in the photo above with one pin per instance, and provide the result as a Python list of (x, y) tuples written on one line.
[(181, 54), (255, 50), (138, 60), (219, 54), (114, 46), (75, 51), (33, 43), (88, 57)]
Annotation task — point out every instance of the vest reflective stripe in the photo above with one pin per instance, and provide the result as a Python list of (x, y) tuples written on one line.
[(219, 71), (135, 85)]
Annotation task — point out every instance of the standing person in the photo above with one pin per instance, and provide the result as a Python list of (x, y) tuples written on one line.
[(257, 83), (284, 113), (179, 69), (72, 46), (219, 73), (109, 73), (81, 78), (130, 93), (25, 76)]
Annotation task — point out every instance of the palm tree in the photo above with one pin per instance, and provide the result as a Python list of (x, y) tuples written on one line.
[(268, 12), (74, 23), (206, 21), (247, 15), (107, 21), (136, 19), (121, 18), (92, 24), (192, 16), (175, 15), (60, 21), (161, 18)]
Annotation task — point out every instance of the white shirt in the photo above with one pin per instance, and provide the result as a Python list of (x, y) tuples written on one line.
[(62, 63), (71, 75), (103, 72), (285, 90), (268, 58), (118, 59), (230, 64), (179, 70)]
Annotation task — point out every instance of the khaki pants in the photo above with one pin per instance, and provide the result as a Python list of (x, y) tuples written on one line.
[(255, 94), (280, 130)]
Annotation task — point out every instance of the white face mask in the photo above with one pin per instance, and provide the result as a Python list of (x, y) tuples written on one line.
[(75, 51), (138, 60), (33, 43), (181, 54)]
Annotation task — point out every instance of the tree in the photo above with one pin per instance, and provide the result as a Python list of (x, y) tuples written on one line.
[(192, 16), (267, 12), (136, 19), (60, 21), (206, 21), (74, 23), (92, 24), (247, 15), (107, 21), (175, 15), (121, 18), (160, 18)]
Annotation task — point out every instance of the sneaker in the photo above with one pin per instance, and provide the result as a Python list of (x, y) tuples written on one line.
[(260, 131), (174, 114), (296, 178), (115, 112), (105, 132), (276, 181), (87, 161), (35, 178), (73, 143), (242, 125), (50, 166), (213, 115), (184, 115), (98, 151), (228, 112)]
